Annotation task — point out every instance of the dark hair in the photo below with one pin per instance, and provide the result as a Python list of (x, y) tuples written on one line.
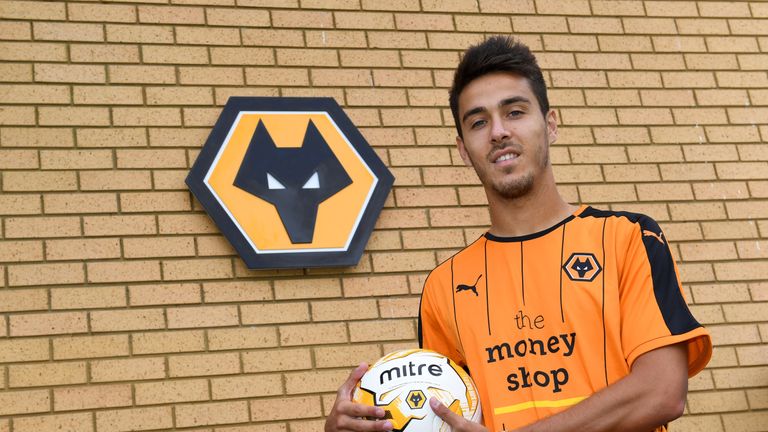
[(497, 54)]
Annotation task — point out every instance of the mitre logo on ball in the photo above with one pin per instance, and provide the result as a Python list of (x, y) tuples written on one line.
[(402, 383)]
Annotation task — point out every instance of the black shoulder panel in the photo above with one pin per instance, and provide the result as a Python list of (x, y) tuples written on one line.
[(666, 288)]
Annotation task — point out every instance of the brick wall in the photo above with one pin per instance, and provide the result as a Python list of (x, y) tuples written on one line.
[(123, 308)]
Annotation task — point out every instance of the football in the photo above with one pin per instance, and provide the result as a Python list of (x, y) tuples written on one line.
[(402, 383)]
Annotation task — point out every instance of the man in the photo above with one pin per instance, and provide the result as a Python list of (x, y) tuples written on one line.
[(578, 323)]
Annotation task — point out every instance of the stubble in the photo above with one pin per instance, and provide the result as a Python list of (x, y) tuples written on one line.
[(516, 187)]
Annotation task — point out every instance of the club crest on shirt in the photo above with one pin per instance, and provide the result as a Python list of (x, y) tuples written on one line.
[(473, 287), (582, 267)]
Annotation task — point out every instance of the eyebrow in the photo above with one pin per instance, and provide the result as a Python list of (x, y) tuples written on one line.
[(504, 102), (514, 100)]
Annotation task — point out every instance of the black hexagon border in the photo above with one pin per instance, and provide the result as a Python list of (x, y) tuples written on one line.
[(252, 259), (594, 258)]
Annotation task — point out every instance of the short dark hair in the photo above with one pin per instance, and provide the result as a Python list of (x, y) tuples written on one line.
[(497, 54)]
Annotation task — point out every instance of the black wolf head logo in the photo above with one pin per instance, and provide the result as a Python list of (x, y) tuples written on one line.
[(294, 180), (582, 267)]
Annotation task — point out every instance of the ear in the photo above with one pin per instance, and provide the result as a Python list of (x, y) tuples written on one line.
[(463, 151), (551, 120)]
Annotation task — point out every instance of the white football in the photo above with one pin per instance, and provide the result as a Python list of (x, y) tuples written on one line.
[(402, 383)]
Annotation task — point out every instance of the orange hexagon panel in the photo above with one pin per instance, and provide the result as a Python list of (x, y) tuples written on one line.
[(290, 182)]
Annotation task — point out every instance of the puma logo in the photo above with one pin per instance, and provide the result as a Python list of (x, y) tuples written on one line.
[(647, 233), (582, 267), (472, 288)]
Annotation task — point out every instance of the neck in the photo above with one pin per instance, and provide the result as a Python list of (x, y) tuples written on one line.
[(536, 211)]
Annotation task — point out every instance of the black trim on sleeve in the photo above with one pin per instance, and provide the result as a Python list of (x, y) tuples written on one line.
[(676, 314), (666, 288)]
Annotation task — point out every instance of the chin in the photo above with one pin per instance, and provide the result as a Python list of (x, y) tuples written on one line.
[(516, 188)]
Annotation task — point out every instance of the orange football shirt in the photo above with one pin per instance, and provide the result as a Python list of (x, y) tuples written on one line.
[(545, 320)]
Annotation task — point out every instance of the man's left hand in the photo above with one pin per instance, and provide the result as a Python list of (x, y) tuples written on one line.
[(455, 421)]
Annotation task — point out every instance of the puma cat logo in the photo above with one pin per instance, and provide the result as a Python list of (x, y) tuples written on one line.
[(472, 288), (658, 236)]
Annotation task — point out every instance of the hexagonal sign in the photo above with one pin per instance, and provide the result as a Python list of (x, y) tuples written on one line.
[(290, 182)]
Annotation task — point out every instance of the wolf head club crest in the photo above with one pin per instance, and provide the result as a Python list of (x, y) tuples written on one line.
[(290, 178), (290, 182), (582, 267)]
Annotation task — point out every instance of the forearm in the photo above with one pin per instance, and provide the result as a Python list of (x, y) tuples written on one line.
[(638, 402), (612, 409)]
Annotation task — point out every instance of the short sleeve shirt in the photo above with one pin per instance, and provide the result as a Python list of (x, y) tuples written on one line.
[(544, 321)]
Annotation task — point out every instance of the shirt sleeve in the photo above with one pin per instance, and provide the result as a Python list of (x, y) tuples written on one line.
[(654, 312), (436, 329)]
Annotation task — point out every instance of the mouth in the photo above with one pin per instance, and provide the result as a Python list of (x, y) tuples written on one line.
[(504, 156)]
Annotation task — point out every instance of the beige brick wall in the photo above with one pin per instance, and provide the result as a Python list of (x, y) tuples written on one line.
[(123, 308)]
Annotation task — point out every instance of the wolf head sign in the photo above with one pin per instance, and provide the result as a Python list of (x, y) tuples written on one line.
[(290, 182)]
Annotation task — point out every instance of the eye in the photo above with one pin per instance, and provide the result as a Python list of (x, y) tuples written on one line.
[(515, 113), (477, 123), (313, 182), (272, 183)]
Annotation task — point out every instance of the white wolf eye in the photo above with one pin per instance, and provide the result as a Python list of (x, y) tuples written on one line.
[(312, 183), (272, 183)]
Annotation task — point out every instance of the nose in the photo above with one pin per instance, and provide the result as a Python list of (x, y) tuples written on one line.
[(499, 130)]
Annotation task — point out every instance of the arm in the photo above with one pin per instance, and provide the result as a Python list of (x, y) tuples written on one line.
[(651, 395), (346, 415)]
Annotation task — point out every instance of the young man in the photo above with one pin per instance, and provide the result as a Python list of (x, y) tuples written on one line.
[(578, 323)]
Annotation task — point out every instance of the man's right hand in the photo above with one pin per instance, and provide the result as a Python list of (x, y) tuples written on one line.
[(455, 421), (348, 416)]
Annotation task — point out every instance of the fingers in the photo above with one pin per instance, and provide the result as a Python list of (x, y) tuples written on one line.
[(353, 409), (444, 413), (349, 416), (346, 417), (455, 421), (346, 389), (359, 425)]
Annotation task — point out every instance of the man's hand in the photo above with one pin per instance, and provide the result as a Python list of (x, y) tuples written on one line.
[(346, 415), (456, 422)]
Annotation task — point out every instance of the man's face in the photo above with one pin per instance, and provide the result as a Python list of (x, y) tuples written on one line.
[(506, 138)]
